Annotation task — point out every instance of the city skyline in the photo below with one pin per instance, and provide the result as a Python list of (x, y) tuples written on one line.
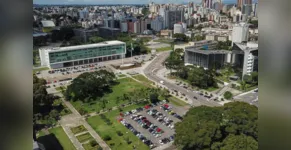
[(63, 2)]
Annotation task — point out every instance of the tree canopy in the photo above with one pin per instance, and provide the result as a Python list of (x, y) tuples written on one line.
[(232, 126), (181, 37), (45, 112), (90, 85), (174, 61), (227, 95)]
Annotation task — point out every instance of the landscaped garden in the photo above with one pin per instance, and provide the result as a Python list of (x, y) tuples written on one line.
[(85, 137), (78, 129), (57, 140), (113, 132), (92, 145)]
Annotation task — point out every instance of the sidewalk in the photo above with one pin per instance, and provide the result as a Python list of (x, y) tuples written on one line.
[(75, 119)]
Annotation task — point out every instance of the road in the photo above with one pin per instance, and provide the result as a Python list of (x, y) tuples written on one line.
[(151, 72), (250, 97)]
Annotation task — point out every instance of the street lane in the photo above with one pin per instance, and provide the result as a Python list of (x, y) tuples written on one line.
[(151, 71)]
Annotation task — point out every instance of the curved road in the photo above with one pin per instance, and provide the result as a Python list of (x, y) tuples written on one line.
[(151, 72)]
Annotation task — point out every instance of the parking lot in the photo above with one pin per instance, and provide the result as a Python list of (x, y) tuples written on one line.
[(55, 76), (154, 124)]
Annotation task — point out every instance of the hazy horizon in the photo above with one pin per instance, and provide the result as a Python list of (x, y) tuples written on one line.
[(112, 2)]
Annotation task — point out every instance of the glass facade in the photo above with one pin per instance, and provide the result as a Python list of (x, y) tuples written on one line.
[(71, 55)]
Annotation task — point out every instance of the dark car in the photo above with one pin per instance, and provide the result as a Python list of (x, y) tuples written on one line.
[(179, 117), (195, 97)]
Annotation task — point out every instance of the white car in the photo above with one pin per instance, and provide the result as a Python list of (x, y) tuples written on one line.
[(133, 111), (172, 126)]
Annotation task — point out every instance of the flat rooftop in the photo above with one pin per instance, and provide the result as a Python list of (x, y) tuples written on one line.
[(248, 46), (106, 43), (208, 52)]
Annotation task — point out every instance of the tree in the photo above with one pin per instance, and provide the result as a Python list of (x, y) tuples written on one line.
[(154, 97), (227, 95), (179, 51), (181, 37), (218, 127), (247, 79), (174, 61), (239, 142), (90, 85), (199, 38), (254, 76)]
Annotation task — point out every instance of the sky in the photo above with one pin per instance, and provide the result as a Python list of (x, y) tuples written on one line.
[(118, 1)]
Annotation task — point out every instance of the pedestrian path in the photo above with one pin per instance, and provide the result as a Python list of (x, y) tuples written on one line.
[(75, 119)]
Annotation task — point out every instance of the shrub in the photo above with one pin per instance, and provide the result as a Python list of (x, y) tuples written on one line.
[(227, 95), (93, 143), (119, 133), (107, 138), (222, 99), (99, 148), (82, 111)]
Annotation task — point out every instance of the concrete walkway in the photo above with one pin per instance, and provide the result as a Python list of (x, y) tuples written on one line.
[(75, 119)]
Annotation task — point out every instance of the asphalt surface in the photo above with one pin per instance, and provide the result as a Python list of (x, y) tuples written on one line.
[(249, 97), (151, 72)]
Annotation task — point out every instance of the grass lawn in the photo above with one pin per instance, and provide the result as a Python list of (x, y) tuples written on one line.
[(177, 101), (78, 129), (121, 75), (117, 142), (40, 133), (60, 88), (164, 49), (87, 146), (143, 79), (125, 85), (57, 140), (84, 137), (40, 69), (210, 89), (164, 41)]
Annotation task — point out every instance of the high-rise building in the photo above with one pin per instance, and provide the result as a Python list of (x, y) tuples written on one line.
[(240, 3), (254, 9), (178, 28), (130, 27), (157, 23), (247, 9), (123, 27), (240, 33), (172, 17), (136, 27)]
